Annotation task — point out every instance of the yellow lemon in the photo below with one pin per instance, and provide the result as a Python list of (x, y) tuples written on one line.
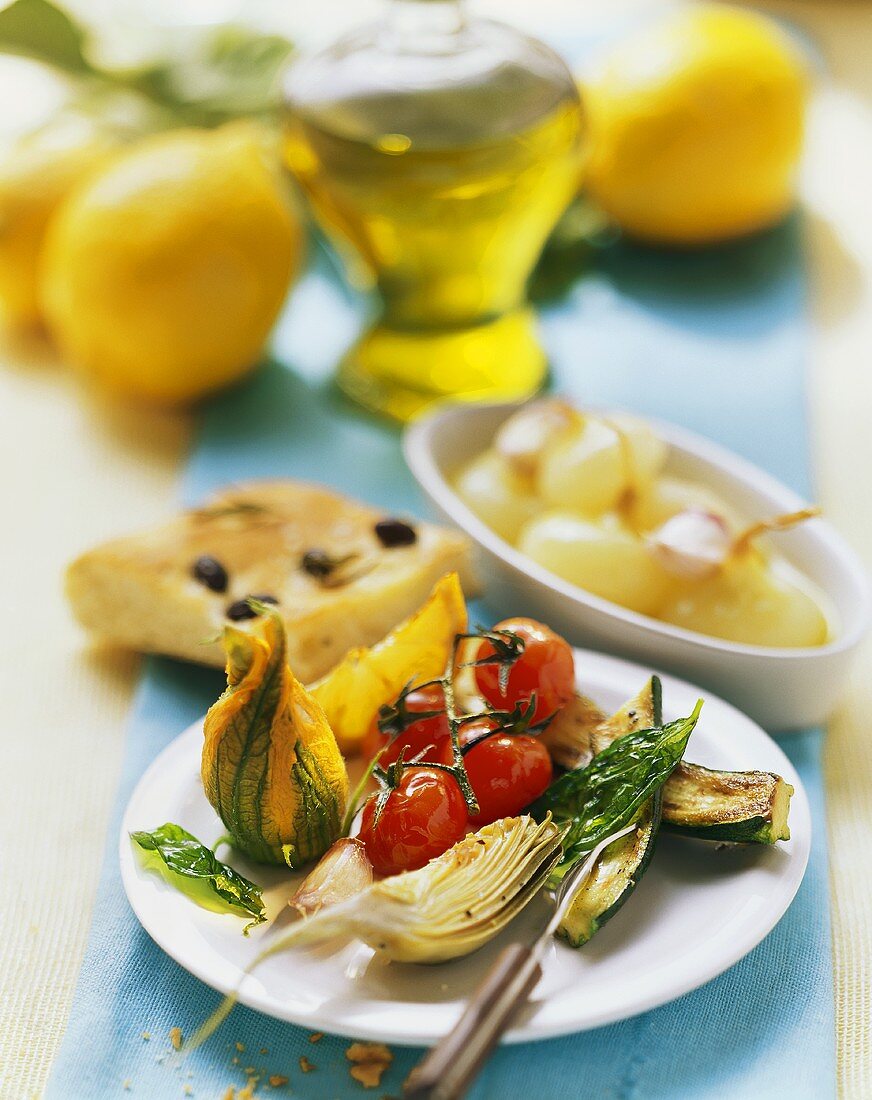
[(36, 174), (163, 275), (696, 126)]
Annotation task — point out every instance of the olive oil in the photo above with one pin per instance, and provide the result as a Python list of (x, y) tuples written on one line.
[(439, 192)]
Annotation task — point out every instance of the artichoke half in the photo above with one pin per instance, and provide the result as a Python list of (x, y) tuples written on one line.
[(451, 907)]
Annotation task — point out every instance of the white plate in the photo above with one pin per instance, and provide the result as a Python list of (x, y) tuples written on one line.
[(780, 688), (698, 910)]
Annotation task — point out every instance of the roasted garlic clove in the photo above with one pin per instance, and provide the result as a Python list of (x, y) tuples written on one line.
[(522, 438), (341, 873), (692, 545)]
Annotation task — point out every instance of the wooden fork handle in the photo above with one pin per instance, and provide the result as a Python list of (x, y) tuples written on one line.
[(450, 1067)]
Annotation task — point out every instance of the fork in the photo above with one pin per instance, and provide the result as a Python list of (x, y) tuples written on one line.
[(451, 1066)]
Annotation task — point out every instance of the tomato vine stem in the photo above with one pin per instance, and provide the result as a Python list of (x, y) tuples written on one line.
[(394, 719)]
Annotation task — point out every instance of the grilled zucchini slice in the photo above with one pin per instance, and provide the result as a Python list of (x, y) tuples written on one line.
[(614, 878), (730, 807), (623, 863), (739, 807)]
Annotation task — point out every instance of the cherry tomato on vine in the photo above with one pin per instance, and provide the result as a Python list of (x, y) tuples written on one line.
[(545, 667), (506, 771), (469, 731), (422, 735), (423, 817)]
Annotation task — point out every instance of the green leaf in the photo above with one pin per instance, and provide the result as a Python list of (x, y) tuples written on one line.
[(226, 72), (193, 868), (602, 798), (203, 78), (42, 31)]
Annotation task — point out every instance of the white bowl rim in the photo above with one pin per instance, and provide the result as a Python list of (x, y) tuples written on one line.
[(418, 451)]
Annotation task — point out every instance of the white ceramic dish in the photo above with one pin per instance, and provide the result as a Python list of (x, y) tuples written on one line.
[(698, 910), (782, 689)]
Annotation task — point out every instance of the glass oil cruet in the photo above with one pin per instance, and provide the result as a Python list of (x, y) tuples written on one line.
[(437, 153)]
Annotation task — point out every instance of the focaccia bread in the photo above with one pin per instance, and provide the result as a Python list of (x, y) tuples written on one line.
[(342, 573)]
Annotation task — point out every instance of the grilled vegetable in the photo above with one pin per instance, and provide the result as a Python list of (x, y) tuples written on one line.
[(568, 736), (450, 907), (643, 711), (520, 661), (600, 798), (739, 807), (623, 863), (417, 815), (271, 766), (506, 771), (614, 878), (415, 651)]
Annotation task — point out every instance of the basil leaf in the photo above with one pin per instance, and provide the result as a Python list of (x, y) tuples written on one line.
[(602, 798), (194, 869)]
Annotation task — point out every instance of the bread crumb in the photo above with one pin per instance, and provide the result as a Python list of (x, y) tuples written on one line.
[(263, 1050), (305, 1065), (176, 1037), (277, 1080), (230, 1094), (369, 1052), (188, 1091), (234, 1061), (316, 1036), (240, 1047), (127, 1084), (146, 1035), (371, 1060), (248, 1092), (368, 1074)]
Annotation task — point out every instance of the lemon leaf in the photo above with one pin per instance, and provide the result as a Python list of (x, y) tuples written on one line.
[(227, 72), (40, 30), (223, 73)]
